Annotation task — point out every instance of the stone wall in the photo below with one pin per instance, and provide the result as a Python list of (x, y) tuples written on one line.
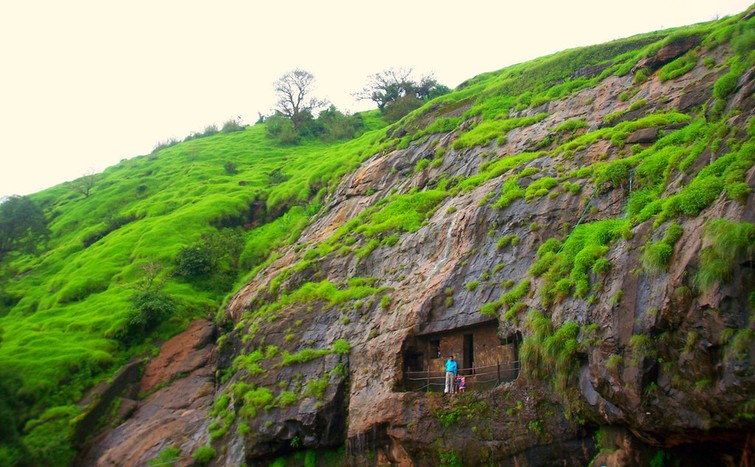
[(487, 348)]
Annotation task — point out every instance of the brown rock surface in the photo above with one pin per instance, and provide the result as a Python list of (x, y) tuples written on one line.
[(182, 354), (643, 135), (172, 416), (670, 51)]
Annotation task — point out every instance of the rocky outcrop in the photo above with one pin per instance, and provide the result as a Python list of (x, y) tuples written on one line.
[(674, 49), (643, 136), (121, 391), (180, 356), (623, 359), (672, 387), (179, 384)]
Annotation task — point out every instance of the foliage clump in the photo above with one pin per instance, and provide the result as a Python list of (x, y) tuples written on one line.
[(565, 267), (23, 225), (396, 92), (402, 212), (678, 67), (204, 455), (571, 125), (729, 241), (148, 309), (552, 353), (657, 255)]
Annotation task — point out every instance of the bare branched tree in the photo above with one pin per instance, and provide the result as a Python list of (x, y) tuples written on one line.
[(85, 183), (149, 277), (294, 99)]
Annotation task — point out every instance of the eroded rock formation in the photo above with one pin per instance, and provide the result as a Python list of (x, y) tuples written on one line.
[(177, 392), (315, 350)]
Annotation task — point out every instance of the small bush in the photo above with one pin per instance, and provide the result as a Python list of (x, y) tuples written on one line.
[(491, 309), (678, 67), (540, 187), (204, 455), (738, 191), (472, 285), (638, 104), (316, 387), (725, 85), (271, 351), (511, 297), (657, 256), (195, 260), (230, 168), (232, 125), (601, 266), (281, 128), (673, 233), (421, 165), (509, 192), (612, 175), (640, 76), (640, 345), (286, 398), (730, 241), (303, 356), (164, 145), (341, 347), (552, 245), (571, 125), (148, 310), (698, 196), (507, 240), (165, 457), (614, 362)]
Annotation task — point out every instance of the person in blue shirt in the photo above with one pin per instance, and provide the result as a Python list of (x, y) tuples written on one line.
[(451, 369)]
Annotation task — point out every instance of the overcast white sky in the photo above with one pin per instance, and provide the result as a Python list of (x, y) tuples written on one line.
[(84, 84)]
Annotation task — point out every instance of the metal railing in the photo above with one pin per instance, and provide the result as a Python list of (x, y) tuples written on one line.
[(477, 378)]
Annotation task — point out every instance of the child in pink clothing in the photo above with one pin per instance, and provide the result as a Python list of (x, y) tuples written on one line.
[(461, 383)]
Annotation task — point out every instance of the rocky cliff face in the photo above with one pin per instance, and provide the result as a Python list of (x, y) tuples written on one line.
[(177, 389), (590, 244)]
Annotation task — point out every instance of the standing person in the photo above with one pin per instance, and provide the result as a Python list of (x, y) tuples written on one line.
[(451, 368)]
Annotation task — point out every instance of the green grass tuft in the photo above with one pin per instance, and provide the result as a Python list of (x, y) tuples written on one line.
[(729, 241)]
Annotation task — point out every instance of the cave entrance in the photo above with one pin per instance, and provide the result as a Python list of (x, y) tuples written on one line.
[(468, 352), (484, 358)]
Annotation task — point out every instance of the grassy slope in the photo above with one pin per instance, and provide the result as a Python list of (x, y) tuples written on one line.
[(74, 297)]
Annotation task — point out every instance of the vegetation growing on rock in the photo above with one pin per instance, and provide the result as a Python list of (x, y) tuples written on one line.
[(597, 203)]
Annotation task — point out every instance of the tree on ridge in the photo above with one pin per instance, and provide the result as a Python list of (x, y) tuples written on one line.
[(294, 90)]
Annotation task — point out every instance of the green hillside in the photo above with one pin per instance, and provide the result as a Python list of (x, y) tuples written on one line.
[(67, 315), (64, 307)]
